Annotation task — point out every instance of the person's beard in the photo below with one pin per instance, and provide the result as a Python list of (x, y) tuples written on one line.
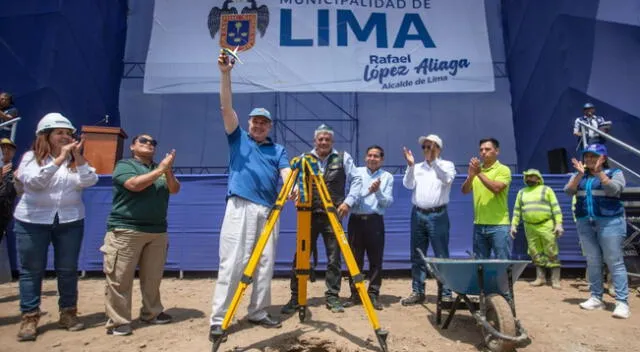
[(531, 183)]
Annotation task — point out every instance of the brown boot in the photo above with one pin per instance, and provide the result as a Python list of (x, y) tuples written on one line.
[(540, 277), (29, 326), (69, 319)]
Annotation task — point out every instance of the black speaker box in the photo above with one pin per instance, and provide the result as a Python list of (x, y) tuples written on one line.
[(558, 162)]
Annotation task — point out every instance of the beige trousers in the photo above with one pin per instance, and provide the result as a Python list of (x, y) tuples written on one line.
[(241, 228), (124, 250)]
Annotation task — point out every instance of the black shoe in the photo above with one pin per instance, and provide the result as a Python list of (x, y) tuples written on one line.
[(374, 301), (447, 299), (334, 305), (162, 318), (354, 300), (414, 298), (267, 322), (120, 330), (290, 307), (215, 332)]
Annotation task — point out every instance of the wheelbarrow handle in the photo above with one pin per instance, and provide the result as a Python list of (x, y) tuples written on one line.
[(429, 266)]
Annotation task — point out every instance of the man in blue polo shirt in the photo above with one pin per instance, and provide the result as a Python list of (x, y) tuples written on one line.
[(254, 166)]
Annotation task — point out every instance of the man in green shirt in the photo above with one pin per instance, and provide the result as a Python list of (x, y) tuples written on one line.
[(489, 182)]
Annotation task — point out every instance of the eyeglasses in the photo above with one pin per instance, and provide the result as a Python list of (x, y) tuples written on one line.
[(427, 146), (145, 140)]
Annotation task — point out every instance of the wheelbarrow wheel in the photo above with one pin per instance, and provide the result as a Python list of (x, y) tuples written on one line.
[(499, 315)]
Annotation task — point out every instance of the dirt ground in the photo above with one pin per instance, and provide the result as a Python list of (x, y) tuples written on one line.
[(552, 318)]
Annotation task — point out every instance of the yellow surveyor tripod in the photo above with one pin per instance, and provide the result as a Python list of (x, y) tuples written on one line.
[(305, 173)]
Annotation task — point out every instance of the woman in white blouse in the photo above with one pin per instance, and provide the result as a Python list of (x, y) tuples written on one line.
[(52, 175)]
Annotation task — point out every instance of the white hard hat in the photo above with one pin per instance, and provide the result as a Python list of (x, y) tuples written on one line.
[(432, 137), (54, 120)]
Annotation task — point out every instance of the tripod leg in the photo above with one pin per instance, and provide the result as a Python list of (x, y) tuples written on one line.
[(303, 248), (303, 251), (354, 270), (247, 275)]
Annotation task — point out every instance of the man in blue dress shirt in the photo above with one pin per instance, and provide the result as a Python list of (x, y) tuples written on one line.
[(366, 223)]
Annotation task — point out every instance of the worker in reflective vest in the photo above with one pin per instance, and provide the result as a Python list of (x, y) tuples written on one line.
[(537, 206)]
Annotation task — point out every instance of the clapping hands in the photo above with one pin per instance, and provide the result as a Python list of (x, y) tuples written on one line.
[(474, 166), (578, 165), (167, 163)]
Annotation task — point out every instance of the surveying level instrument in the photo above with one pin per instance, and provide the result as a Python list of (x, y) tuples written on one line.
[(305, 173)]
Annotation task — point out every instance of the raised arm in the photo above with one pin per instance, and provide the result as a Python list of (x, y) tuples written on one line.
[(409, 180), (126, 176), (229, 116), (172, 181), (474, 170), (384, 193), (495, 186), (445, 171), (354, 179)]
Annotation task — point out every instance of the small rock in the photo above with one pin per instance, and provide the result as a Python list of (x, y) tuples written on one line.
[(57, 344), (142, 345), (86, 343)]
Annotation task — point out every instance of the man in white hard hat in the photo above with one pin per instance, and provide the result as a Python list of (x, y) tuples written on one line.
[(430, 182)]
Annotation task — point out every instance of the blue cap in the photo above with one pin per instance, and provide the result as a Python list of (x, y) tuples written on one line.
[(261, 112), (588, 106), (598, 149)]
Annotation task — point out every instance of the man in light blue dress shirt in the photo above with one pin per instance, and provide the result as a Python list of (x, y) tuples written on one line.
[(366, 223)]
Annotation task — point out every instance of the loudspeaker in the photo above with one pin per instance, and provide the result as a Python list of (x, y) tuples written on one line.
[(558, 162)]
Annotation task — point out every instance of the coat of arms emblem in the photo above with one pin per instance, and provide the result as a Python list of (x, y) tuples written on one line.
[(238, 30)]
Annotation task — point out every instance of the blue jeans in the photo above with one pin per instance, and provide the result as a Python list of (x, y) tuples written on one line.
[(602, 239), (33, 243), (428, 228), (487, 238)]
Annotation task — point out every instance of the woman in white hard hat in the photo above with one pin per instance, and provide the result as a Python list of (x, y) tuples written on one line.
[(53, 174)]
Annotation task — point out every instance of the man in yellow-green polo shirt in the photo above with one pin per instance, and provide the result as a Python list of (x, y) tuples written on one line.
[(489, 182)]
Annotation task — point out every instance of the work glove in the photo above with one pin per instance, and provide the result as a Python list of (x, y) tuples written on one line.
[(513, 232), (558, 230)]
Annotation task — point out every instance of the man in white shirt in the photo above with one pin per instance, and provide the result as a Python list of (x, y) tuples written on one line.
[(431, 182), (590, 118)]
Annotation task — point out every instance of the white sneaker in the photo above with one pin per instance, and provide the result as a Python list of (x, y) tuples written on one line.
[(592, 304), (622, 311)]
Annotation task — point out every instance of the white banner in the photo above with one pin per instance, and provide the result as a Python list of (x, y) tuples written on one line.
[(321, 45)]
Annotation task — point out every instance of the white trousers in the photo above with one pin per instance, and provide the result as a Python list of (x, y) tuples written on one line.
[(241, 227)]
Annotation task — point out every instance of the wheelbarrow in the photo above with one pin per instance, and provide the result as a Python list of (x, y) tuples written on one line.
[(489, 282)]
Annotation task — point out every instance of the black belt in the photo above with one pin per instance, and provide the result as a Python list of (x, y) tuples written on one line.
[(431, 210), (366, 216)]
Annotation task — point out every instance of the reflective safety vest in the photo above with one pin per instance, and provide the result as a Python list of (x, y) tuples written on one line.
[(591, 201), (536, 205)]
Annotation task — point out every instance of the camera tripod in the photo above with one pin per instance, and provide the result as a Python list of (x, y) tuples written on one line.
[(305, 172)]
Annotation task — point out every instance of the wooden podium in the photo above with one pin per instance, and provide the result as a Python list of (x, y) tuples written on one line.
[(103, 147)]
